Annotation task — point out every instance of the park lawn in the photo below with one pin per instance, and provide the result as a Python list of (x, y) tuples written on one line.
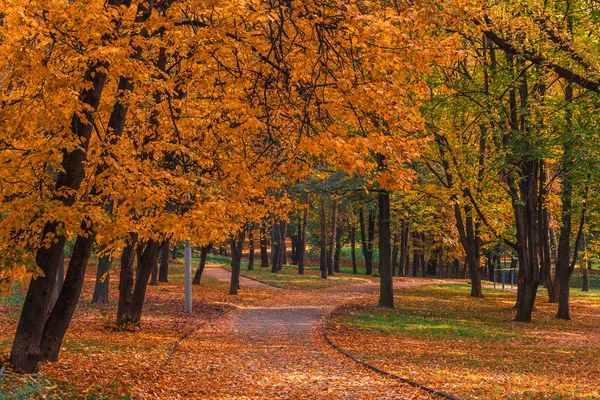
[(98, 362), (471, 348), (290, 279)]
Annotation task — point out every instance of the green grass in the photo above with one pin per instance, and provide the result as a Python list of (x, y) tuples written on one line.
[(289, 278), (440, 322), (227, 261)]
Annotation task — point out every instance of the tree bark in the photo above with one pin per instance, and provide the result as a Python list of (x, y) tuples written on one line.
[(264, 244), (386, 290), (367, 240), (147, 261), (331, 254), (250, 249), (283, 232), (339, 236), (100, 295), (126, 282), (276, 256), (237, 246), (201, 264), (323, 255), (353, 248), (163, 272), (25, 351), (60, 317), (395, 251), (303, 237)]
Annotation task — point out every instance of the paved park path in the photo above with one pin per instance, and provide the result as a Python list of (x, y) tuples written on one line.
[(276, 350)]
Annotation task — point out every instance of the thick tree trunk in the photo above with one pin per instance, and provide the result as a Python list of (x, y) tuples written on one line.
[(126, 282), (60, 280), (154, 274), (323, 242), (303, 237), (201, 264), (147, 261), (100, 295), (25, 351), (386, 290), (60, 317), (237, 246), (163, 272)]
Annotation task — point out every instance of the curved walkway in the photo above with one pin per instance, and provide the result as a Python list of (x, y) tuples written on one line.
[(278, 351)]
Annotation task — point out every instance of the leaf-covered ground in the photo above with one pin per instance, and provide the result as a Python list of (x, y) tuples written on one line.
[(471, 348), (97, 361), (263, 343)]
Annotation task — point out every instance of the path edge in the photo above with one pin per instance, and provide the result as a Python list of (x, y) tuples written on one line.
[(263, 282), (374, 368)]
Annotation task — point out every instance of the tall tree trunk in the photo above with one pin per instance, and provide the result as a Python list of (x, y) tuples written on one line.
[(147, 261), (174, 251), (395, 251), (275, 246), (323, 255), (367, 239), (353, 248), (586, 281), (386, 290), (154, 274), (201, 264), (100, 295), (60, 317), (60, 280), (416, 260), (264, 244), (295, 238), (250, 249), (283, 232), (303, 237), (338, 248), (331, 255), (371, 235), (163, 272), (25, 351), (404, 256), (237, 246), (126, 281)]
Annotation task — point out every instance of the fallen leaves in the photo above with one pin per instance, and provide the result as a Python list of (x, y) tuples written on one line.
[(471, 348)]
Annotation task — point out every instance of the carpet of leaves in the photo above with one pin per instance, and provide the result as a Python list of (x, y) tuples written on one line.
[(471, 348), (96, 361), (264, 343)]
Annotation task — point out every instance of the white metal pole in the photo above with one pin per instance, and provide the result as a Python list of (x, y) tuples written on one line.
[(187, 277)]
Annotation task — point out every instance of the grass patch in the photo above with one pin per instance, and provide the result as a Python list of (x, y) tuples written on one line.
[(290, 278), (472, 348)]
